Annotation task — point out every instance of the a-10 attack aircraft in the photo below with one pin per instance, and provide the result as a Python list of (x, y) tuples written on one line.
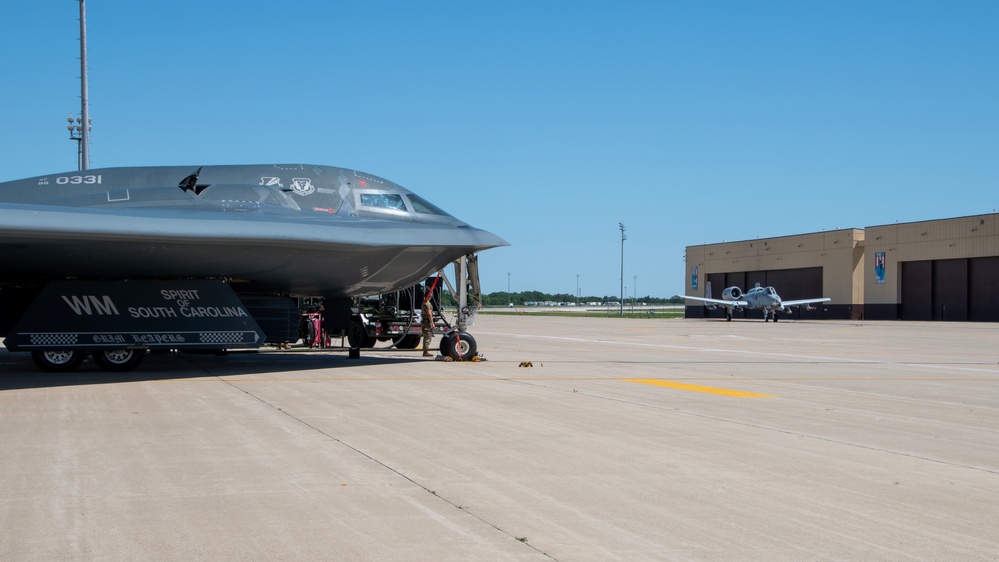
[(116, 261), (765, 298)]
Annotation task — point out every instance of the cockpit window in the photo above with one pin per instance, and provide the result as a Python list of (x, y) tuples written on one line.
[(421, 205), (391, 201)]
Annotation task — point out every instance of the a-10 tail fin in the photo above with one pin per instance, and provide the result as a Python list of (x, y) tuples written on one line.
[(707, 294)]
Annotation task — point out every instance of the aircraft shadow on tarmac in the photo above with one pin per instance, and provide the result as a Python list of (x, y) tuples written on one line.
[(18, 372)]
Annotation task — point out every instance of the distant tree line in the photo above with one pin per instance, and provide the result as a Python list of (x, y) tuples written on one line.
[(501, 298)]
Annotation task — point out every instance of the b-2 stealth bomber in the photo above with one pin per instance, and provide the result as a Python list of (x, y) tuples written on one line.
[(116, 261)]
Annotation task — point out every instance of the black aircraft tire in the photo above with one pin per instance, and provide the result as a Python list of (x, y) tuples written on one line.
[(119, 360), (58, 361), (446, 342), (461, 347)]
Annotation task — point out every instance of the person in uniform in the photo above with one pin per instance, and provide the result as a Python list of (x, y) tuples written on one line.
[(428, 326)]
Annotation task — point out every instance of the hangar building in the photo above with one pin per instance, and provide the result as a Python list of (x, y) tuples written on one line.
[(932, 270)]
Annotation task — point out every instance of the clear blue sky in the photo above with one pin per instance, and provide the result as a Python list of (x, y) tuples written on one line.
[(545, 122)]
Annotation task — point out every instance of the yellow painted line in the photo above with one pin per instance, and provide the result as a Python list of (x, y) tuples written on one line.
[(699, 388)]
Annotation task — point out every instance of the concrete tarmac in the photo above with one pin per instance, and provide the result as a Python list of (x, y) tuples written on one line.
[(628, 439)]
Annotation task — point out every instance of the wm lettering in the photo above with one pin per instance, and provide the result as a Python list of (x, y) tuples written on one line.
[(91, 305)]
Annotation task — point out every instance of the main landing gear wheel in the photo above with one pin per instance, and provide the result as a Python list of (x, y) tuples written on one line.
[(120, 360), (460, 347), (59, 361), (728, 316)]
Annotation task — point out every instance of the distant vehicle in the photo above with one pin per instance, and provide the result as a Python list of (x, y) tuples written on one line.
[(763, 298)]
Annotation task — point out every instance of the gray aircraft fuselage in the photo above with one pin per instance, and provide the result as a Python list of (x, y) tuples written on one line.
[(268, 229)]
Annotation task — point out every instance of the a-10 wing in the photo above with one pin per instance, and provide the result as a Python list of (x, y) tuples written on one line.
[(720, 301), (804, 301)]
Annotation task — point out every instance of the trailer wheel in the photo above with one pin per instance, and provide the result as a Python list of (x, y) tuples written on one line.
[(357, 336), (411, 341), (462, 347), (120, 360), (58, 361), (306, 332)]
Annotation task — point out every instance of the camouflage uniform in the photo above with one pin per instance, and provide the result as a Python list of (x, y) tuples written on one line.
[(428, 327)]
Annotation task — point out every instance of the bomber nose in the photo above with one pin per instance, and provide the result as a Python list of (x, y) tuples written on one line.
[(485, 240)]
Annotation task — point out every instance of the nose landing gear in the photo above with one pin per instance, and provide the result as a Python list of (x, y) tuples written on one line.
[(459, 346)]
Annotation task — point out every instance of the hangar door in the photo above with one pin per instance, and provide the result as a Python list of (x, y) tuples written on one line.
[(950, 290)]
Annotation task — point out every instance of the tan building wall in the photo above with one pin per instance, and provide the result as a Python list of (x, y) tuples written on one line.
[(965, 237)]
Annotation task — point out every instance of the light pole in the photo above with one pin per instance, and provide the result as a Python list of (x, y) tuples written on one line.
[(84, 141), (623, 238), (577, 289), (509, 302), (76, 134)]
